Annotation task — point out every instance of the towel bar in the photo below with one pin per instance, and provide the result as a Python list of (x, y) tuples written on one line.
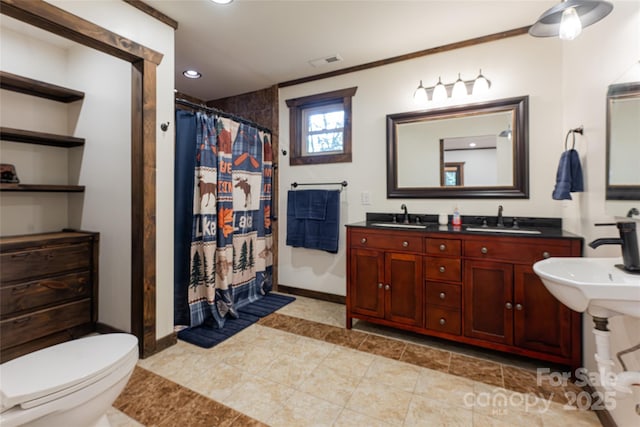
[(342, 184)]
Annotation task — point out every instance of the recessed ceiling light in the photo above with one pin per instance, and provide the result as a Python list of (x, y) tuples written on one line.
[(473, 144), (222, 1), (191, 74)]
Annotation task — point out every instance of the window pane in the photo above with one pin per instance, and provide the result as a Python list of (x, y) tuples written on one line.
[(319, 121), (320, 143)]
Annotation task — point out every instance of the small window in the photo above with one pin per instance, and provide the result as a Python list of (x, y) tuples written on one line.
[(320, 128)]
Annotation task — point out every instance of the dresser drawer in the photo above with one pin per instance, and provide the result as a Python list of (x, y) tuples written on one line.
[(389, 241), (449, 247), (443, 294), (43, 292), (443, 319), (28, 327), (443, 268), (51, 260), (527, 253)]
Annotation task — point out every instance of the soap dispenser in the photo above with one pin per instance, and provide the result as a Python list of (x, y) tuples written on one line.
[(456, 221)]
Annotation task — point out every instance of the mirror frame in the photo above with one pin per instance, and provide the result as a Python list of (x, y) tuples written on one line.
[(619, 192), (519, 189)]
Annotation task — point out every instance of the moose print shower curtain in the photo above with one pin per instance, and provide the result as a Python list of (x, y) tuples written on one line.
[(230, 260)]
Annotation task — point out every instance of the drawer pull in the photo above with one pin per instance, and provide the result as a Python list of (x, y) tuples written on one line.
[(546, 255), (405, 244), (484, 250), (53, 284), (442, 295), (363, 240), (519, 307), (508, 306), (387, 287), (442, 269), (22, 320), (379, 285), (21, 288), (442, 321), (443, 247)]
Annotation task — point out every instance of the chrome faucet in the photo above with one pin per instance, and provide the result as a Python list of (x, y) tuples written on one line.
[(500, 219), (405, 216), (628, 241)]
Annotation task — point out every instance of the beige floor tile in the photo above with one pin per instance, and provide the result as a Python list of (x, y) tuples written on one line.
[(214, 381), (443, 387), (427, 412), (348, 361), (120, 419), (400, 375), (304, 410), (330, 385), (501, 403), (288, 370), (317, 310), (349, 418), (311, 350), (380, 401), (171, 362), (557, 414), (258, 398)]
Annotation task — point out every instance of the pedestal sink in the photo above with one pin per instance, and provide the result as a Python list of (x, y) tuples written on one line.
[(594, 285)]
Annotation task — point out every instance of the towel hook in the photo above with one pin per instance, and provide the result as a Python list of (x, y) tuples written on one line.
[(573, 132)]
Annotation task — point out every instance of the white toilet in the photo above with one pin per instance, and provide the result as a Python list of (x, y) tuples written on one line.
[(69, 384)]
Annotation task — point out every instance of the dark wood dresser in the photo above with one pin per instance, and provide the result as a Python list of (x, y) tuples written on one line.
[(48, 290)]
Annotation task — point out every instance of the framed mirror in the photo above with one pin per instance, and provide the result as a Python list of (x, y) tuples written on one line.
[(470, 151), (623, 141)]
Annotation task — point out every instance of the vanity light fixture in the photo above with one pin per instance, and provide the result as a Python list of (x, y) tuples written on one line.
[(191, 74), (567, 19), (457, 90)]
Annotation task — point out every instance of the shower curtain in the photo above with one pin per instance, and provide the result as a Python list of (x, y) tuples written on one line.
[(223, 240)]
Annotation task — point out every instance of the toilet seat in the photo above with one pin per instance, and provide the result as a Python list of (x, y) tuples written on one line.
[(53, 372)]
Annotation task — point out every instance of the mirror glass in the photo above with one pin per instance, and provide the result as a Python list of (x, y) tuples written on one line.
[(477, 150), (623, 141)]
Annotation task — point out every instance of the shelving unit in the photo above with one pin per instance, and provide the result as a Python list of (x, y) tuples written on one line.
[(15, 83)]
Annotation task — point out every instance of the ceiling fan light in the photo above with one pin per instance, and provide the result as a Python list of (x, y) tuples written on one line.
[(588, 12), (570, 25)]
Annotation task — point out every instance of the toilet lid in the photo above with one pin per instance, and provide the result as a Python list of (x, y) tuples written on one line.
[(62, 366)]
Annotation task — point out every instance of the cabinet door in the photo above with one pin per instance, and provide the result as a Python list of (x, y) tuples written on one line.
[(488, 301), (365, 284), (541, 322), (404, 300)]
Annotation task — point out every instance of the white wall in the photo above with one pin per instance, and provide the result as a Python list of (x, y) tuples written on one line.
[(108, 124)]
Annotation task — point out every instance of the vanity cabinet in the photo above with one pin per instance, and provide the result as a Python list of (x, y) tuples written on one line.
[(385, 277), (471, 288), (48, 290)]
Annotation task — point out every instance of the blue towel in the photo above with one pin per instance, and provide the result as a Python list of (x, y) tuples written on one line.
[(321, 234), (569, 176), (310, 204)]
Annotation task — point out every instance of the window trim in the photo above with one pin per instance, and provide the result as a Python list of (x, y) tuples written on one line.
[(296, 110)]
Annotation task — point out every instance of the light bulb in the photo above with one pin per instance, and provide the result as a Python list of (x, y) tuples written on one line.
[(459, 89), (439, 92), (480, 85), (420, 95), (570, 25)]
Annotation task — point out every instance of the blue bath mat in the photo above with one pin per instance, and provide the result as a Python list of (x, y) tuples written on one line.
[(206, 336)]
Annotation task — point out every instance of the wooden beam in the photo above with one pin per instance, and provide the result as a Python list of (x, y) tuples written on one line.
[(152, 11), (58, 21)]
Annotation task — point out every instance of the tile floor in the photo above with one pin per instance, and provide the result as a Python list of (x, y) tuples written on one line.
[(300, 367)]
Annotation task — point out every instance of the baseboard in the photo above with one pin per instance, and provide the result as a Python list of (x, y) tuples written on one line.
[(339, 299), (604, 416), (161, 344)]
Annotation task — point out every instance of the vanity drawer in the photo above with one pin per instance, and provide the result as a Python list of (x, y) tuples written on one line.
[(515, 251), (38, 293), (449, 247), (443, 294), (443, 319), (47, 261), (28, 327), (442, 268), (389, 241)]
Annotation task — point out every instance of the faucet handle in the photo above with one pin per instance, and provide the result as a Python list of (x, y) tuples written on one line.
[(515, 223)]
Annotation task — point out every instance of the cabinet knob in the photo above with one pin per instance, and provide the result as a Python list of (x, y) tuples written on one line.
[(546, 255), (519, 307), (442, 269), (442, 295), (442, 321), (379, 285), (387, 287), (443, 247), (508, 306), (363, 240), (405, 244), (484, 250)]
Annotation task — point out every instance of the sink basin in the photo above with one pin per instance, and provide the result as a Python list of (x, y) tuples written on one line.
[(503, 230), (594, 285), (396, 225)]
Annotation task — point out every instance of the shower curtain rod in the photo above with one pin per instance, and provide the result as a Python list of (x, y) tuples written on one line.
[(221, 113)]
